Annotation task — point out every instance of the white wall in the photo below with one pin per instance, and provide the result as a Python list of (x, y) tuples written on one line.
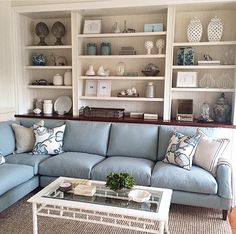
[(7, 97)]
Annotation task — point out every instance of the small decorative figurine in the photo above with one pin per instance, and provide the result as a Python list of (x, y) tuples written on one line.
[(160, 44), (102, 72), (205, 113), (148, 46), (131, 92), (61, 61), (115, 28), (41, 31), (58, 30), (90, 71)]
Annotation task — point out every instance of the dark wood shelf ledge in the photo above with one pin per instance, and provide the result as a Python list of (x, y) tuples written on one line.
[(160, 121)]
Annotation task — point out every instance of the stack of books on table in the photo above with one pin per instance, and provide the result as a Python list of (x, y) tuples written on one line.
[(138, 115), (150, 116)]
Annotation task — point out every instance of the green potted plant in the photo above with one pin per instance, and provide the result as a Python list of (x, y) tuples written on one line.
[(120, 181)]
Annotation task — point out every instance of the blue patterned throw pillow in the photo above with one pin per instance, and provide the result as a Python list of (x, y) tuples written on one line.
[(2, 159), (181, 150), (48, 140)]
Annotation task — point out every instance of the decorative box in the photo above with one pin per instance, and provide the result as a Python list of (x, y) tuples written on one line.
[(186, 79), (85, 190), (156, 27)]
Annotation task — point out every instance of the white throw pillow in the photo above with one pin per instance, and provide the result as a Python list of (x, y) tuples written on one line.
[(25, 138), (48, 140), (208, 152), (2, 159), (181, 149)]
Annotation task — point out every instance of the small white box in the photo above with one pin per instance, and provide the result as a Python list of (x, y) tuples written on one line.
[(186, 79)]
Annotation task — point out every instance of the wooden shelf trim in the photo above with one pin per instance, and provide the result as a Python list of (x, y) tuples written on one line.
[(135, 99), (204, 43), (48, 87), (160, 121), (137, 34), (139, 56), (203, 90), (122, 77)]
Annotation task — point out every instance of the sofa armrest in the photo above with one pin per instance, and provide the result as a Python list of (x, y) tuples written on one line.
[(224, 178)]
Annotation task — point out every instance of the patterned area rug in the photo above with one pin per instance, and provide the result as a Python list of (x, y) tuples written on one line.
[(183, 220)]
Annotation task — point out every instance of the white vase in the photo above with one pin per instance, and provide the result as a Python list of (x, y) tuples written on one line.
[(215, 29), (68, 78), (47, 107), (57, 80), (148, 45), (194, 30)]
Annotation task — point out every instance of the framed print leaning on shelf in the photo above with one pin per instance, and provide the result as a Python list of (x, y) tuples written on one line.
[(92, 26), (91, 88), (104, 88)]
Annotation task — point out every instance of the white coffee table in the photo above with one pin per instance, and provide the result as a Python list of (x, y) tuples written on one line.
[(105, 207)]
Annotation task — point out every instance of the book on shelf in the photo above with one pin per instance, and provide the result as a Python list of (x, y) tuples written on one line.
[(150, 116), (138, 115)]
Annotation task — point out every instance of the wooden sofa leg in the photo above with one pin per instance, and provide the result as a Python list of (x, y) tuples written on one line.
[(225, 214)]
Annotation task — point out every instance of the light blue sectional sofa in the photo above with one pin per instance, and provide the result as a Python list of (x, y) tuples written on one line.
[(94, 149)]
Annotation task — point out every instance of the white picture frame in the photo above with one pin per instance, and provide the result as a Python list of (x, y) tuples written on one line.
[(91, 88), (186, 80), (92, 26), (104, 88)]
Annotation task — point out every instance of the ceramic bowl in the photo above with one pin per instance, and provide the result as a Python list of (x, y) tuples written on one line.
[(139, 195)]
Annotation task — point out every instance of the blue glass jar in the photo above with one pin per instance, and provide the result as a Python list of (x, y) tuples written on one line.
[(91, 49), (105, 48)]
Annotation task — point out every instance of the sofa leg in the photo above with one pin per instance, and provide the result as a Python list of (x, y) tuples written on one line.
[(224, 214)]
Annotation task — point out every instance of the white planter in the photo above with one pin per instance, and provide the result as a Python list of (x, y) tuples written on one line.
[(57, 80), (68, 78), (215, 29), (194, 31)]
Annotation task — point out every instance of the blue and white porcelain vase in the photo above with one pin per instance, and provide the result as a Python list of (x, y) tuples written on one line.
[(188, 56), (38, 60)]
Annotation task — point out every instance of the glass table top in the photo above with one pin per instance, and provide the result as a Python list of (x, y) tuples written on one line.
[(104, 196)]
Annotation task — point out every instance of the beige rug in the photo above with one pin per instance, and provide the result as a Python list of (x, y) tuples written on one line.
[(183, 220)]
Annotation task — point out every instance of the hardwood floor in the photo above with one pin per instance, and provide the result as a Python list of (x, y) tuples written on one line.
[(232, 220)]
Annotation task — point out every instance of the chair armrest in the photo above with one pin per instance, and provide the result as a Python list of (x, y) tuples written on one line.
[(224, 178)]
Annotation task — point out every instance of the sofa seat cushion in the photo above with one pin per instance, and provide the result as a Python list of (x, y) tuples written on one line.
[(70, 164), (13, 175), (133, 140), (139, 168), (27, 159), (170, 176)]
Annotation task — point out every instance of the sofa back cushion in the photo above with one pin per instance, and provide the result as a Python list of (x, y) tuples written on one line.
[(49, 123), (86, 137), (7, 138), (133, 140), (165, 133)]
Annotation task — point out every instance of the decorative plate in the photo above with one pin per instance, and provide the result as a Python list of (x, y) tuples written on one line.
[(62, 105)]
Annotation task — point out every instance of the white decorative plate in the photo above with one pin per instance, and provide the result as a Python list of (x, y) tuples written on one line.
[(62, 105), (139, 195)]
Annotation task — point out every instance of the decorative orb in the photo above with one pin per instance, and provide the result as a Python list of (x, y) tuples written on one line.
[(58, 30), (41, 30)]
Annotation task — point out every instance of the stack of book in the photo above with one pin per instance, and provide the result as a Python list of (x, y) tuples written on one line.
[(138, 115), (151, 116)]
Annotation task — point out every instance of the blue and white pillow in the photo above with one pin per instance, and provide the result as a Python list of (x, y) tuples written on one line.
[(181, 150), (2, 159), (48, 140)]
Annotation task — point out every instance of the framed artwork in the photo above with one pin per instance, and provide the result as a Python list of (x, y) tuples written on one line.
[(92, 26), (104, 88), (186, 79), (91, 88)]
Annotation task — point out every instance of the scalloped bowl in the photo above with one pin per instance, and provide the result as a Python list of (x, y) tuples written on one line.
[(150, 73), (139, 195)]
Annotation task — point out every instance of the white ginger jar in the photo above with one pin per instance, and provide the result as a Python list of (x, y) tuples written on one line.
[(194, 30), (215, 29)]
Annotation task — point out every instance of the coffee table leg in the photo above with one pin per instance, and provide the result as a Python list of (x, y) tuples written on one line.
[(161, 227), (35, 221), (166, 229)]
